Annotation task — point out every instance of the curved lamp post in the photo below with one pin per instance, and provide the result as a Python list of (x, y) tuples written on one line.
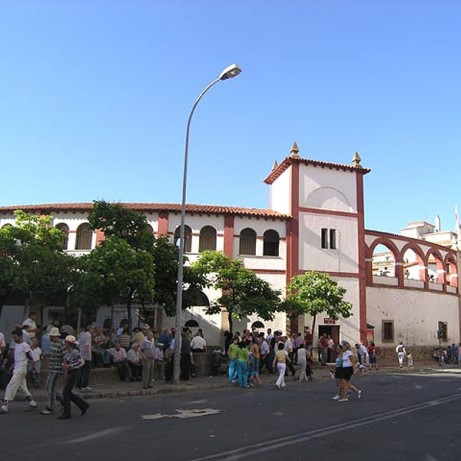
[(228, 72)]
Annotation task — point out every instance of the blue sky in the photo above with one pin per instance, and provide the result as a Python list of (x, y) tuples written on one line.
[(95, 95)]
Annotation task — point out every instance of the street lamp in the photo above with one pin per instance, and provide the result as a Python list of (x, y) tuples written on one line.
[(229, 72)]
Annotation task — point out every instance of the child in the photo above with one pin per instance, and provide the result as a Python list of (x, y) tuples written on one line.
[(410, 360), (35, 368), (337, 372)]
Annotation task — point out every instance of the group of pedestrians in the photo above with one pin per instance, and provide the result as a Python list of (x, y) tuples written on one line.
[(64, 358), (251, 353)]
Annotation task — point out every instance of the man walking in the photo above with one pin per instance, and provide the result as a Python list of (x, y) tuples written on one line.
[(401, 353), (55, 370), (22, 354), (85, 344)]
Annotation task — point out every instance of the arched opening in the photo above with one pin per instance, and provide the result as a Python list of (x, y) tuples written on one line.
[(413, 263), (187, 238), (64, 228), (451, 270), (84, 236), (383, 264), (271, 243), (247, 244), (207, 239)]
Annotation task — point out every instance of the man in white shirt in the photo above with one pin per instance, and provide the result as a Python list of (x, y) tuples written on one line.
[(198, 344), (364, 359), (22, 355), (119, 357), (31, 322), (85, 341)]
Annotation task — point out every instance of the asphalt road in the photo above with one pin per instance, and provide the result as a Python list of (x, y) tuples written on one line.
[(400, 417)]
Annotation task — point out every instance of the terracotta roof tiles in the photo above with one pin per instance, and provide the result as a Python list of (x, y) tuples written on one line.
[(51, 208)]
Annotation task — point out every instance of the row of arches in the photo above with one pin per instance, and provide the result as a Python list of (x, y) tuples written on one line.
[(424, 263), (247, 241), (207, 239)]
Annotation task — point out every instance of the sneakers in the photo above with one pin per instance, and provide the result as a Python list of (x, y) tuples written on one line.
[(3, 409), (343, 400), (46, 411), (359, 395), (336, 397), (32, 404)]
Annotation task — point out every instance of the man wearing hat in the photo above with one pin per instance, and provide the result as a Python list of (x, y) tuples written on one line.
[(56, 358), (73, 362)]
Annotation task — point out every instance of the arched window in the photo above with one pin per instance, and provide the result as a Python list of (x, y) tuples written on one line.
[(84, 235), (247, 242), (207, 239), (65, 229), (271, 243), (187, 238)]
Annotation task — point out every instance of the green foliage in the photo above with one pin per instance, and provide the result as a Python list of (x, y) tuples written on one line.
[(313, 293), (115, 220), (34, 261), (243, 293), (114, 272)]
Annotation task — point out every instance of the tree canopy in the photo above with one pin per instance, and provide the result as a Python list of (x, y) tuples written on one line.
[(313, 293), (33, 260), (242, 292)]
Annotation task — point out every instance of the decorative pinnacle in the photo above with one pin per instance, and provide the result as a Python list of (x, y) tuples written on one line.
[(294, 150), (356, 160)]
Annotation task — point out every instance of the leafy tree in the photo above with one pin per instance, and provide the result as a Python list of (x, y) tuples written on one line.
[(115, 220), (114, 272), (36, 265), (166, 272), (243, 293), (313, 293)]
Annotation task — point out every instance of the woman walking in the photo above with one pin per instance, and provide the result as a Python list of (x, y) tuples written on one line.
[(281, 359), (348, 360), (337, 374), (73, 362)]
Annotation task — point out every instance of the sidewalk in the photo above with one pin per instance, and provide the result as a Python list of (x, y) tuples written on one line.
[(321, 374)]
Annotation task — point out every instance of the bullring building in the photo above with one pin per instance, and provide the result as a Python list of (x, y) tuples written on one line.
[(402, 287)]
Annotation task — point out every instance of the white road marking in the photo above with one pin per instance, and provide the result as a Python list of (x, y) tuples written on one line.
[(183, 414), (261, 447), (97, 435)]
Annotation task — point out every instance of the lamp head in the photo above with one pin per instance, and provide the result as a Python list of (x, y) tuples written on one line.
[(230, 72)]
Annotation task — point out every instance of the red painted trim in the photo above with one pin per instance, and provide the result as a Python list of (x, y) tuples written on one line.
[(361, 258), (351, 275), (162, 223), (229, 236), (427, 290), (329, 212), (268, 271), (100, 237), (293, 225)]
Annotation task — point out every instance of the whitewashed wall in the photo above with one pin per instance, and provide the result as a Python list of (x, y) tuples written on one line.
[(415, 314)]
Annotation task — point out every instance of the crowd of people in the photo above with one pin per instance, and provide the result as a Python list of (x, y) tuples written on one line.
[(146, 355), (143, 355)]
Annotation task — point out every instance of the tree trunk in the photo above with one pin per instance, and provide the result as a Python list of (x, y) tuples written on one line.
[(231, 322), (313, 324), (111, 317), (128, 308)]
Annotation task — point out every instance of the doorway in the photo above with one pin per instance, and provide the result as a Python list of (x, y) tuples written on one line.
[(333, 332)]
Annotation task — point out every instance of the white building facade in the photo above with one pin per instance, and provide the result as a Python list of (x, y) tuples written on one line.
[(315, 222)]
